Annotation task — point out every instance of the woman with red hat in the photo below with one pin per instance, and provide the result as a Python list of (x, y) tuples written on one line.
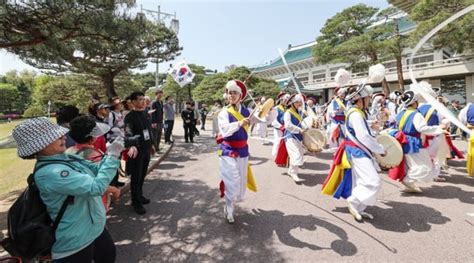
[(234, 122)]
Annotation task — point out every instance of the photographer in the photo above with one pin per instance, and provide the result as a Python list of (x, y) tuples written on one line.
[(137, 123)]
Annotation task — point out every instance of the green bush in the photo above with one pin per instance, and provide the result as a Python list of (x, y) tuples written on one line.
[(33, 111)]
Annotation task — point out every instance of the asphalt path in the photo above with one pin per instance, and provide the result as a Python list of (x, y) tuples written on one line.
[(286, 222)]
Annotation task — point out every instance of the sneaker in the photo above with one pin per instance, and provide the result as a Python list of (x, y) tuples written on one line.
[(354, 212), (440, 179), (228, 216), (295, 178), (139, 209), (411, 188), (144, 200), (366, 215)]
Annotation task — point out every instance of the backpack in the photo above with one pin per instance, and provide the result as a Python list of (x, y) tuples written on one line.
[(31, 232)]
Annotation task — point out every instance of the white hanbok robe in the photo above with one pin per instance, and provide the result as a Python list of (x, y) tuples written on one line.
[(293, 146), (366, 180), (420, 165)]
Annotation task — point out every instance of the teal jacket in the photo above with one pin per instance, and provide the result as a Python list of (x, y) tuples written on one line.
[(84, 220)]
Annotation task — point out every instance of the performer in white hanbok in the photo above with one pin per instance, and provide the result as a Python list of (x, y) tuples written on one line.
[(336, 113), (234, 121), (466, 116), (432, 118), (262, 125), (278, 123), (412, 125), (294, 128), (361, 182), (392, 107)]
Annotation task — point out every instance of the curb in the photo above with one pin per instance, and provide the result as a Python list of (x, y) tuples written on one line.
[(151, 167)]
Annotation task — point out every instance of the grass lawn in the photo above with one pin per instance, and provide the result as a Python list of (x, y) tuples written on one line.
[(7, 128), (13, 171)]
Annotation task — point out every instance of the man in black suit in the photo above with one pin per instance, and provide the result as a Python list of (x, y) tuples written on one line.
[(157, 119)]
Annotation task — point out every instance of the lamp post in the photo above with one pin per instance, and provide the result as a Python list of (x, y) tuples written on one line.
[(174, 26)]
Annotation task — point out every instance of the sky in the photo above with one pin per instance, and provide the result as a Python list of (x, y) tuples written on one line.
[(219, 33)]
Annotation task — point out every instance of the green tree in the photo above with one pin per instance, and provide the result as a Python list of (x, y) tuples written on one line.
[(9, 96), (28, 23), (24, 82), (115, 43), (458, 35), (211, 88)]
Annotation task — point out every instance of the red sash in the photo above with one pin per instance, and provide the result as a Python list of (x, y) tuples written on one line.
[(281, 158), (399, 172)]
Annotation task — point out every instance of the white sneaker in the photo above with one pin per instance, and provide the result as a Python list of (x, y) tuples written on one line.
[(228, 216), (295, 178), (354, 212), (366, 215), (411, 188)]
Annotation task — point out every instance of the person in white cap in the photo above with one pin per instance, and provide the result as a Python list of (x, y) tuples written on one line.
[(294, 128), (234, 122), (81, 235), (392, 106), (337, 117), (278, 123), (418, 161), (362, 182)]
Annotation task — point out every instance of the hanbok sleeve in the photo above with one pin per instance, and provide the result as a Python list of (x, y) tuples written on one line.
[(226, 128), (362, 134), (422, 126), (289, 126)]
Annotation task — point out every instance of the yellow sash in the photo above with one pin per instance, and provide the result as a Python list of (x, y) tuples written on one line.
[(429, 113), (339, 101), (470, 155), (251, 184), (337, 176), (353, 109), (281, 108), (295, 114), (404, 118)]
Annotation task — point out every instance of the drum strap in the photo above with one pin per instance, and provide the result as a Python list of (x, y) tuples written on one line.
[(238, 116)]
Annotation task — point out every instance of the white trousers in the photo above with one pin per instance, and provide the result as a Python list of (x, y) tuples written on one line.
[(366, 183), (277, 135), (419, 167), (295, 152), (433, 149), (262, 129), (233, 173)]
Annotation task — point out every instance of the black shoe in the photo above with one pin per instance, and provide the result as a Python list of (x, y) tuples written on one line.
[(144, 200), (192, 141), (139, 209), (186, 141)]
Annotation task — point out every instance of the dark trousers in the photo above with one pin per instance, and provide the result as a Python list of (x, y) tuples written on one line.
[(157, 135), (189, 131), (101, 250), (168, 130), (137, 169), (203, 124)]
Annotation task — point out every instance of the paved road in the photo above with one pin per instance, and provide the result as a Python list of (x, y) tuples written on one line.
[(285, 222)]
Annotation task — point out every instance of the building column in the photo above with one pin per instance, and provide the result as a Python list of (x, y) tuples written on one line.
[(469, 88)]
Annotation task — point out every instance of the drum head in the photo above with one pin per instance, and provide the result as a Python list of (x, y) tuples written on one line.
[(394, 151), (314, 140), (265, 108)]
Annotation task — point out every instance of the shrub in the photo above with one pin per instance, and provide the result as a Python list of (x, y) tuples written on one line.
[(33, 111)]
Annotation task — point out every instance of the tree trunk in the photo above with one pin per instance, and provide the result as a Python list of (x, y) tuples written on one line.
[(386, 88), (108, 82), (401, 81)]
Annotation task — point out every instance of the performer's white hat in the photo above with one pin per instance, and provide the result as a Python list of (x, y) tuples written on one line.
[(394, 95), (296, 97), (361, 91), (238, 86), (409, 97), (425, 86), (340, 91)]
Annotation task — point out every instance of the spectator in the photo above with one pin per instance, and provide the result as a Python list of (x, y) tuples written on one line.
[(127, 106), (203, 112), (188, 122), (137, 123), (84, 130), (100, 111), (147, 104), (196, 118), (81, 235), (63, 117), (168, 111), (157, 119), (213, 114), (116, 119), (455, 108)]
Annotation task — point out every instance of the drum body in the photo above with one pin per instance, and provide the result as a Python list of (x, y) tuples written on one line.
[(314, 140), (394, 151)]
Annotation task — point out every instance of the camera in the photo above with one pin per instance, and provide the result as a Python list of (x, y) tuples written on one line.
[(131, 141)]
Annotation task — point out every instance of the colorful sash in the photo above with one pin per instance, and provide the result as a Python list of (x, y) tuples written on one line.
[(470, 155), (251, 184)]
